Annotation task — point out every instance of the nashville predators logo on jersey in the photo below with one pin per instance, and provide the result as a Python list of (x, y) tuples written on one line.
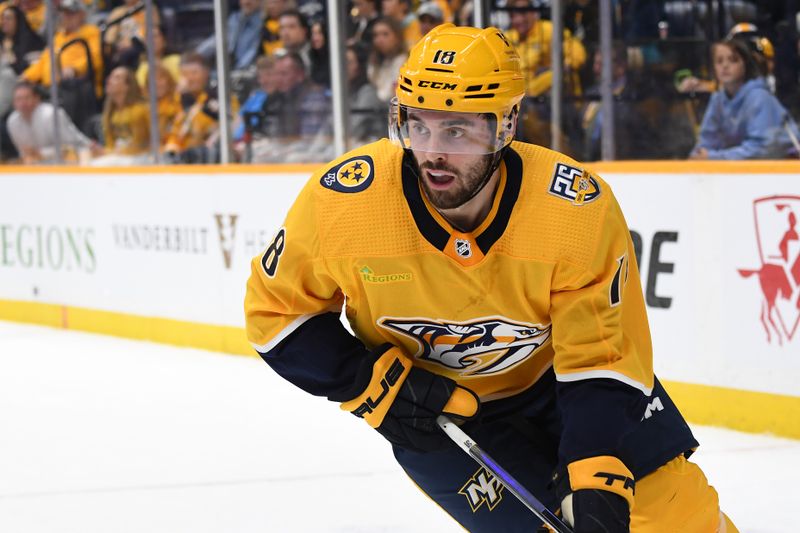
[(353, 175), (478, 347), (482, 488), (573, 184)]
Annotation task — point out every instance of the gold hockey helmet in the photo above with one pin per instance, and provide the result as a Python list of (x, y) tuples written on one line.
[(750, 33), (461, 70)]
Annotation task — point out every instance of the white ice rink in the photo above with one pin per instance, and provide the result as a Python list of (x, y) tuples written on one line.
[(105, 435)]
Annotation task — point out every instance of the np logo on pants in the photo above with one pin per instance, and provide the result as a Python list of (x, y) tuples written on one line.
[(482, 488)]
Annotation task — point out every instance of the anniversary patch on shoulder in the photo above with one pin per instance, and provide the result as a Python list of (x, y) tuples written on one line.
[(352, 175), (573, 184)]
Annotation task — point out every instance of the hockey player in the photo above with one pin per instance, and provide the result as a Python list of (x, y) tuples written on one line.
[(489, 280)]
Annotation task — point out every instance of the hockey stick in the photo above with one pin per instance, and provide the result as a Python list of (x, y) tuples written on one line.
[(482, 458)]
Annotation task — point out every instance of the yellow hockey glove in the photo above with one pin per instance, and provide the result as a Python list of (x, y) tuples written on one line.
[(402, 401), (596, 495)]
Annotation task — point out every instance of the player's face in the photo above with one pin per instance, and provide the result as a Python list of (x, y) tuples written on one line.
[(451, 151)]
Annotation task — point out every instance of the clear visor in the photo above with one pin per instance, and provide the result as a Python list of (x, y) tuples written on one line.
[(426, 130)]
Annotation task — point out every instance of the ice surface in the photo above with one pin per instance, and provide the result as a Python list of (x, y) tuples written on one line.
[(106, 435)]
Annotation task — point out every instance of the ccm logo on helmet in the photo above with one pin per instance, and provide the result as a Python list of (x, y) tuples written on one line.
[(437, 85)]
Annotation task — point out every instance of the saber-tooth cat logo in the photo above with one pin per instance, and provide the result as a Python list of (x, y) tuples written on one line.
[(478, 347)]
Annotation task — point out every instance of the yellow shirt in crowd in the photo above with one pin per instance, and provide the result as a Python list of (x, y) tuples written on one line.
[(127, 131), (73, 57), (534, 52)]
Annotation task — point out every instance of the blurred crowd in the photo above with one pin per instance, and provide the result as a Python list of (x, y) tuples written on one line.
[(691, 78)]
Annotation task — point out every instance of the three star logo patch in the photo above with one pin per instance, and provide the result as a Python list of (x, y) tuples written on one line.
[(353, 175)]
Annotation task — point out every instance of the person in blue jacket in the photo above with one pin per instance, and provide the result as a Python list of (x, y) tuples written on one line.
[(743, 120)]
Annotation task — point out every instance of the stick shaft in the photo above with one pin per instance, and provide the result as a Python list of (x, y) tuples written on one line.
[(515, 487)]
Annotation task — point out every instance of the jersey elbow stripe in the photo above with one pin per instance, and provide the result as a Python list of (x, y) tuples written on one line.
[(605, 374), (285, 332)]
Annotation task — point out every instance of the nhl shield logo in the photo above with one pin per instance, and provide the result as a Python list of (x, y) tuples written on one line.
[(463, 248), (779, 274)]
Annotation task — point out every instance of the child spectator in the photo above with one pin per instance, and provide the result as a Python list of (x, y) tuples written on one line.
[(743, 119)]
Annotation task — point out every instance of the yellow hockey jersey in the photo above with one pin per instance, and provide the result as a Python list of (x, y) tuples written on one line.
[(538, 310), (545, 281)]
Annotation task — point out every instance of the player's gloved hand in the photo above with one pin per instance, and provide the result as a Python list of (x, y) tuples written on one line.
[(402, 401), (596, 495)]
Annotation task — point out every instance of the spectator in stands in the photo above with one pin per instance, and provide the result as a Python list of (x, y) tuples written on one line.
[(124, 40), (244, 36), (294, 32), (320, 55), (305, 107), (429, 15), (74, 62), (126, 121), (36, 13), (388, 55), (31, 128), (743, 119), (301, 123), (270, 31), (637, 116), (367, 112), (365, 13), (18, 42), (251, 113), (169, 102), (400, 11), (531, 36), (193, 134), (171, 62)]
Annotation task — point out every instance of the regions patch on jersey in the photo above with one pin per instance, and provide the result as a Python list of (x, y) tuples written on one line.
[(573, 184), (353, 175)]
